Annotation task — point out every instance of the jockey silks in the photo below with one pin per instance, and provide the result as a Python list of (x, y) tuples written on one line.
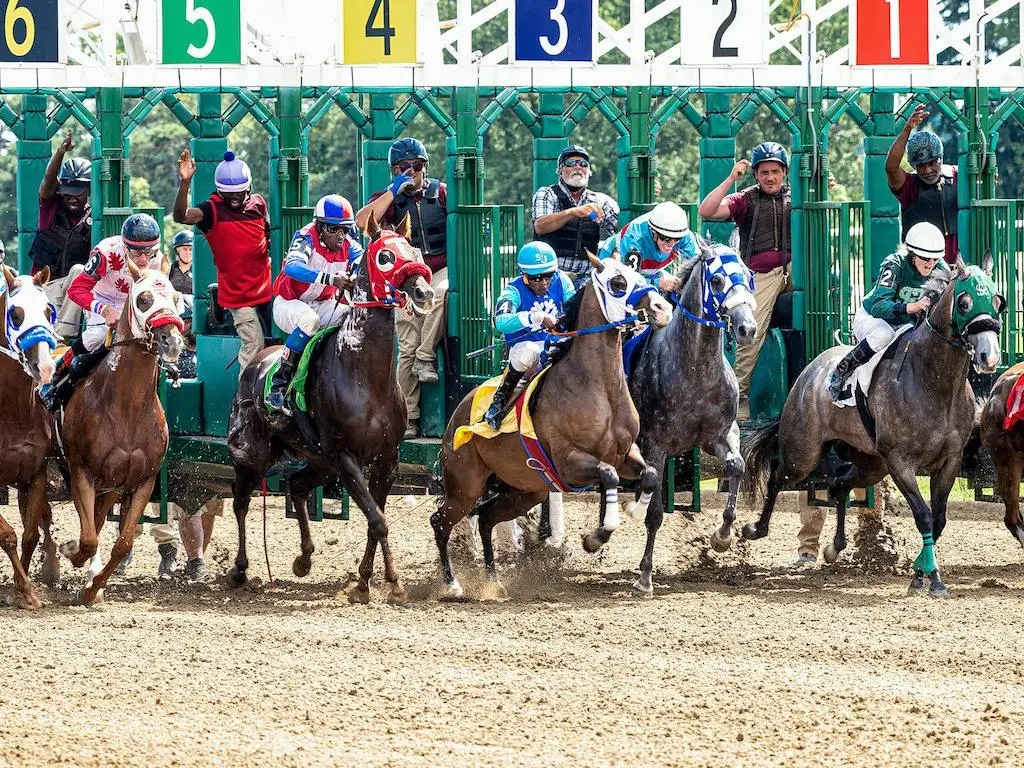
[(637, 249), (106, 280), (517, 299), (240, 243), (307, 249)]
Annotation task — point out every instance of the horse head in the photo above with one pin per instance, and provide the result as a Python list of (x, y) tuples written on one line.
[(394, 268), (152, 313), (969, 310), (620, 288), (727, 290), (28, 323)]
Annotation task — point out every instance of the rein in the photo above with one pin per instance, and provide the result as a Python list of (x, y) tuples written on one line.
[(954, 343), (640, 318), (701, 320)]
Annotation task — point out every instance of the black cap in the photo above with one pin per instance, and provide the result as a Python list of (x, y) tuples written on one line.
[(571, 150)]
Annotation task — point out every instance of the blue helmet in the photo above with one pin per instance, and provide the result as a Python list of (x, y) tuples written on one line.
[(407, 149), (536, 258), (769, 150), (334, 209), (183, 238), (232, 175), (923, 147), (140, 230)]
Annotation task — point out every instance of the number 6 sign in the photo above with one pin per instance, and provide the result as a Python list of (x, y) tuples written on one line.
[(200, 31), (29, 30), (553, 30)]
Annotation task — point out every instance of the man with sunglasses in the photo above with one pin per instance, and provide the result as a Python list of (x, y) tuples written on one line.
[(528, 307), (425, 201), (650, 243), (319, 266), (236, 224), (572, 218), (64, 237), (101, 290)]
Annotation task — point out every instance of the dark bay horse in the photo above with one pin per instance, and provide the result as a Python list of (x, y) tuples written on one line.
[(583, 416), (354, 404), (685, 390), (922, 409), (1006, 446), (114, 432), (27, 427)]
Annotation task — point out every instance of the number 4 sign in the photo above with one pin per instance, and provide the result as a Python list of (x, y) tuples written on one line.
[(379, 31), (553, 30), (891, 32)]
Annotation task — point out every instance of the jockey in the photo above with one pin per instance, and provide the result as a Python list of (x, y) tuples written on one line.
[(101, 290), (651, 242), (527, 308), (898, 294), (320, 260)]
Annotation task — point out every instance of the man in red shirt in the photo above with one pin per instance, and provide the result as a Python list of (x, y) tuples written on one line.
[(237, 227)]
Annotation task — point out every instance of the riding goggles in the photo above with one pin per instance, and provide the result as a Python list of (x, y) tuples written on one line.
[(415, 165), (331, 229), (574, 162), (540, 278)]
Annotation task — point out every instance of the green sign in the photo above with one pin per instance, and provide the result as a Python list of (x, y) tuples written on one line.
[(201, 32)]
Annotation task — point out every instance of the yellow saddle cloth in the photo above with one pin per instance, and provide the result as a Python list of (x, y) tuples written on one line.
[(482, 401)]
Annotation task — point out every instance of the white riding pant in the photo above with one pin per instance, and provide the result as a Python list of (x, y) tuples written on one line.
[(95, 333), (876, 331), (525, 355), (290, 314)]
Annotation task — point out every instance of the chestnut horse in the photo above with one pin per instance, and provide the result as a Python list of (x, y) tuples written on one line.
[(354, 407), (583, 415), (114, 431), (25, 440), (1006, 447)]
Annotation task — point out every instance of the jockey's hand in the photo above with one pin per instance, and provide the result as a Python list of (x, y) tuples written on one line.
[(538, 317), (343, 282), (403, 183), (584, 211), (669, 283), (739, 170), (918, 116), (110, 316), (68, 144), (921, 305), (186, 166), (549, 323)]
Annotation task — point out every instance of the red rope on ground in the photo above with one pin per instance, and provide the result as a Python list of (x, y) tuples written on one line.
[(266, 552)]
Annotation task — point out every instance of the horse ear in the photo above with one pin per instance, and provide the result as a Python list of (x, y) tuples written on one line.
[(594, 261), (10, 278), (135, 272), (42, 277), (372, 230), (987, 262), (405, 228)]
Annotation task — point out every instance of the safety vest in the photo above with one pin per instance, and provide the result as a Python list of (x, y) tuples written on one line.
[(936, 203), (571, 241), (63, 244), (766, 226), (427, 218)]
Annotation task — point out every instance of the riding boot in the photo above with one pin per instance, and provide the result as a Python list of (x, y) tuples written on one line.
[(496, 413), (854, 358), (71, 370), (293, 348)]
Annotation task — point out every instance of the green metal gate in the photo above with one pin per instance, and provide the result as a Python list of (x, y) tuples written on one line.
[(998, 226)]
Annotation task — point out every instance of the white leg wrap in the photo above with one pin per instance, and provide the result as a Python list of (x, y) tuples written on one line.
[(556, 518), (611, 509), (638, 509)]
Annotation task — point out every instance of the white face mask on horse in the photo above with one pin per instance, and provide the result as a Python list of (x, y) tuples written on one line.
[(620, 288), (29, 323)]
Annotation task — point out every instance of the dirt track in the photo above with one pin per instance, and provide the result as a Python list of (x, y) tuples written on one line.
[(735, 661)]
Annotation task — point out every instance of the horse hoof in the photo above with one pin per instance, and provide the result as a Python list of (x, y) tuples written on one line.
[(69, 550), (493, 590), (592, 542), (831, 554), (750, 532), (83, 597), (916, 585), (940, 591), (27, 600), (398, 595), (451, 591), (301, 565), (359, 595), (237, 577), (643, 588), (720, 544)]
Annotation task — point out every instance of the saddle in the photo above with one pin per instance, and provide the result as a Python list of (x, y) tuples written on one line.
[(860, 381), (59, 394), (297, 388)]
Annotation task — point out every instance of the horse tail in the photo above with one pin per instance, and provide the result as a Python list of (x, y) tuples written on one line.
[(759, 449)]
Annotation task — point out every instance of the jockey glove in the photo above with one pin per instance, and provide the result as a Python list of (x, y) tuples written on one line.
[(402, 183)]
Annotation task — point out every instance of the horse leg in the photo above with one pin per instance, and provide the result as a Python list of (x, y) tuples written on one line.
[(635, 466), (941, 484), (507, 506), (31, 499), (300, 486), (925, 564), (465, 480), (553, 511), (104, 504), (379, 479), (246, 481), (1009, 466), (609, 480), (727, 448), (132, 508), (864, 472), (25, 596), (83, 493), (644, 585), (759, 529), (50, 572)]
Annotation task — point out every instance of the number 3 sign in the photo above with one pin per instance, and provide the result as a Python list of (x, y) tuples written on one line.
[(553, 30), (723, 32)]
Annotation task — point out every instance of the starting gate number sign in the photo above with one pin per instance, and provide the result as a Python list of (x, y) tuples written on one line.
[(30, 31), (379, 31), (201, 32), (553, 30), (723, 32), (892, 32)]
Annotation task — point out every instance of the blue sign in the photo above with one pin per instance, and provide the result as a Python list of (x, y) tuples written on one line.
[(554, 30), (30, 31)]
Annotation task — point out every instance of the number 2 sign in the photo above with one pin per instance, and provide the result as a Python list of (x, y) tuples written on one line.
[(723, 32), (553, 30)]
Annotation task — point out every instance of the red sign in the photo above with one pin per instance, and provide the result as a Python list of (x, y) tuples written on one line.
[(892, 32)]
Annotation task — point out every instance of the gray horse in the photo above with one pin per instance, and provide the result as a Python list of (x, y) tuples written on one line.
[(686, 392), (920, 411)]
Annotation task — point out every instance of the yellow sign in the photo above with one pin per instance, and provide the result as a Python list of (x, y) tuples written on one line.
[(379, 31)]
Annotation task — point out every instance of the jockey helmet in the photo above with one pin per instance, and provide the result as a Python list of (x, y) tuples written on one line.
[(140, 230), (573, 150), (232, 174), (669, 220), (407, 149), (182, 239), (334, 209), (769, 150), (923, 147), (926, 240), (536, 258), (74, 176)]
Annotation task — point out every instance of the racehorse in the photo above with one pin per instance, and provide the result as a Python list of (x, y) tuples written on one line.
[(1005, 443), (685, 391), (114, 432), (918, 417), (354, 406), (583, 416), (25, 440)]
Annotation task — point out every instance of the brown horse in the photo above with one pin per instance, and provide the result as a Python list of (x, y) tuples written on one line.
[(114, 431), (1006, 448), (354, 407), (25, 439), (583, 415)]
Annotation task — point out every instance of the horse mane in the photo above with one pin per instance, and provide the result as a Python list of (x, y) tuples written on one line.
[(941, 290), (570, 317), (691, 286)]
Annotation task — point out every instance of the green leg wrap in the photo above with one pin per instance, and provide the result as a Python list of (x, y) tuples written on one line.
[(925, 561)]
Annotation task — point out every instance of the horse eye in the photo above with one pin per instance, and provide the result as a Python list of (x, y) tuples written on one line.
[(717, 283), (16, 316), (145, 301), (965, 302), (385, 260)]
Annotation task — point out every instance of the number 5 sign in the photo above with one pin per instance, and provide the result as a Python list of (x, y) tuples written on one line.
[(200, 31), (891, 32), (723, 32), (553, 30), (30, 30)]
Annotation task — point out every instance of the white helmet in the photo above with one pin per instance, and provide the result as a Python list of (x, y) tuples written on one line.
[(926, 240), (669, 220)]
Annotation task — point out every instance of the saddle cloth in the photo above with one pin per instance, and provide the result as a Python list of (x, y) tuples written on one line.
[(298, 383), (861, 379), (511, 423), (1015, 400)]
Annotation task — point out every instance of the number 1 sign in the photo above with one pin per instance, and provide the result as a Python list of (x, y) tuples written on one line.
[(553, 30), (723, 32), (891, 32)]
